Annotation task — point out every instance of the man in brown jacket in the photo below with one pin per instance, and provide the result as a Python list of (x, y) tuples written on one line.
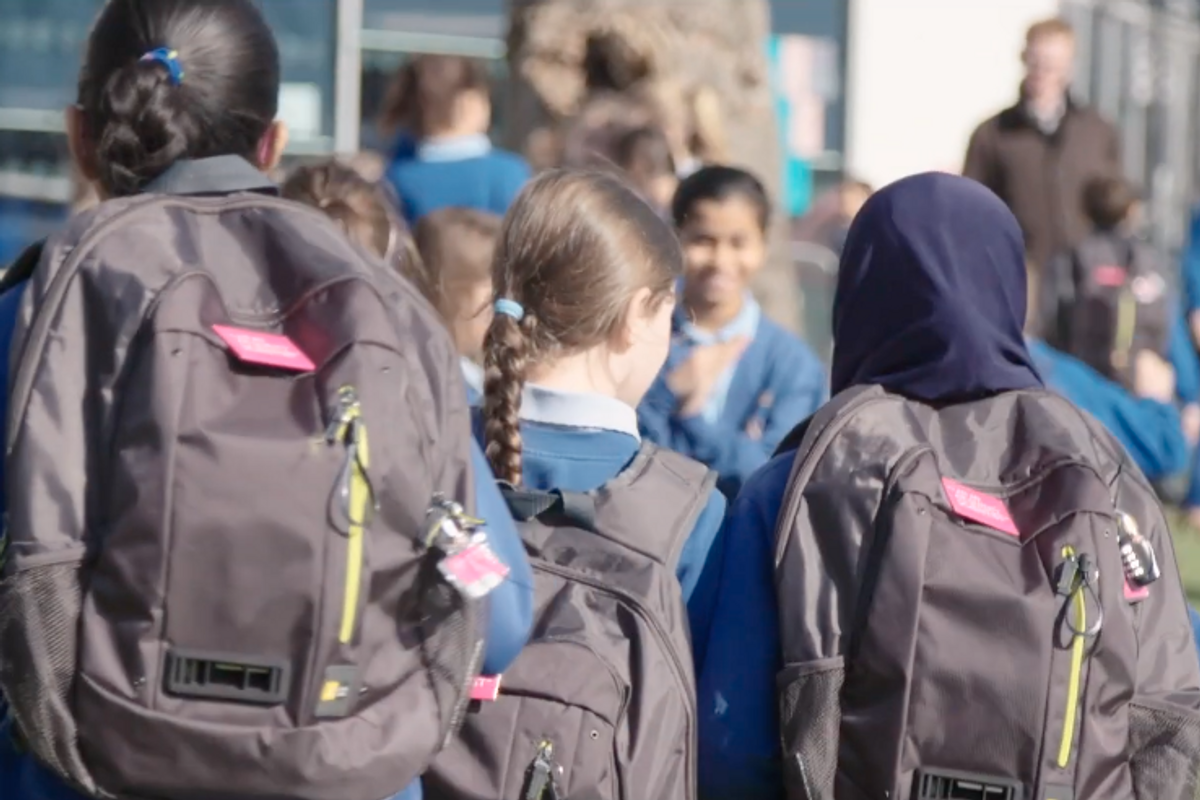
[(1039, 154)]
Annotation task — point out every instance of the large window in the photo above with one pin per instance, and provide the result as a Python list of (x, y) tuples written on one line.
[(396, 30)]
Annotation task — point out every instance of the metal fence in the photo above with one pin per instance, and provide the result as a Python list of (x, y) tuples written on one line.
[(1139, 64)]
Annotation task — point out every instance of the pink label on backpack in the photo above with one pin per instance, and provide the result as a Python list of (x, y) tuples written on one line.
[(1109, 275), (978, 507), (486, 688), (268, 349)]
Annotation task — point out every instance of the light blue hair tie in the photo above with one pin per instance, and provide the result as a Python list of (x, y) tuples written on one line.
[(169, 59), (510, 308)]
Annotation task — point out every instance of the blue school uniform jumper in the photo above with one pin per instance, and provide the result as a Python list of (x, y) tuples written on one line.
[(1149, 430), (510, 606), (777, 382), (462, 172), (578, 442)]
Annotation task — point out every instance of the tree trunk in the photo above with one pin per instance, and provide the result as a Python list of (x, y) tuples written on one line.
[(562, 53)]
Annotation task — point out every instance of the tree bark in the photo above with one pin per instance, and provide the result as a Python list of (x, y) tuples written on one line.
[(671, 50)]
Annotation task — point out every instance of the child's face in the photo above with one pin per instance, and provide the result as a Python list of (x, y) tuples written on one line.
[(473, 320), (724, 247)]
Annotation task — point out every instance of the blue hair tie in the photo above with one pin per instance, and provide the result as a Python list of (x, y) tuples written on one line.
[(169, 59), (510, 308)]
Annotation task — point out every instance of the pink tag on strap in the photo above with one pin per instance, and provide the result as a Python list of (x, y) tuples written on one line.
[(978, 507), (1134, 594), (267, 349)]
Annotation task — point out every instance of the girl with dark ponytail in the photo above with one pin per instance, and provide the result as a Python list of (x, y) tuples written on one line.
[(173, 80), (584, 276), (179, 97)]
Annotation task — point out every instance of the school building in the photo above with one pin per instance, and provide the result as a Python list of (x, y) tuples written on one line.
[(875, 88)]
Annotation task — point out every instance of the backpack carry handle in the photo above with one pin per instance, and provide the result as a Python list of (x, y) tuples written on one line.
[(555, 507)]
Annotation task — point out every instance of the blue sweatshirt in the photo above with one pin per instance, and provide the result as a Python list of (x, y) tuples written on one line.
[(463, 172), (735, 698), (777, 382), (579, 442), (510, 605), (1149, 430)]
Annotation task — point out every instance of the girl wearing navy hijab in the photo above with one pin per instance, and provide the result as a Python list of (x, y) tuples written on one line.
[(930, 304)]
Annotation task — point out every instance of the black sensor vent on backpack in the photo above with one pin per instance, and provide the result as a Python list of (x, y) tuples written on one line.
[(218, 677), (932, 785)]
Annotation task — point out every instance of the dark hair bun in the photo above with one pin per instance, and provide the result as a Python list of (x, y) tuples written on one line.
[(138, 119), (144, 132)]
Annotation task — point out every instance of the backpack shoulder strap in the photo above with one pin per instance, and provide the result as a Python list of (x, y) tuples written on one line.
[(650, 508), (653, 505), (22, 269)]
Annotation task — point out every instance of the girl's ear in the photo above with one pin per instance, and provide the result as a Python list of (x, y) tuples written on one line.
[(641, 316), (82, 152), (272, 145)]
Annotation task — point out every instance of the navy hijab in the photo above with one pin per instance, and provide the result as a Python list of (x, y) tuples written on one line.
[(931, 297)]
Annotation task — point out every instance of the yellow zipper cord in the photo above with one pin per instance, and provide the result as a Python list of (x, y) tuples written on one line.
[(1126, 328), (1078, 646), (360, 496)]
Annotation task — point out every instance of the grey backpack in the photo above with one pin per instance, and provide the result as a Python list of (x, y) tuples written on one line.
[(227, 426), (601, 703), (969, 609)]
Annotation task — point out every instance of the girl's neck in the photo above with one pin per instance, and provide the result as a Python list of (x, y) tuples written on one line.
[(575, 373), (460, 131), (712, 317)]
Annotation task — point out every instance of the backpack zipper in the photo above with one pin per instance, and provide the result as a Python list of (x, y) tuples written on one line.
[(1078, 601), (673, 659), (353, 493)]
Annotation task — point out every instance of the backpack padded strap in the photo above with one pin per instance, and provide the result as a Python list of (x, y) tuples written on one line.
[(22, 269), (654, 504), (651, 507)]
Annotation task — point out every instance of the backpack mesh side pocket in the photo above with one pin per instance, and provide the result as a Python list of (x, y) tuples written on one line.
[(451, 645), (39, 624), (810, 717), (1164, 751)]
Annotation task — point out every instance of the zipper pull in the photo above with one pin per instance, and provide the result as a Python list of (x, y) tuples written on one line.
[(1087, 583), (345, 410), (542, 774), (1068, 573)]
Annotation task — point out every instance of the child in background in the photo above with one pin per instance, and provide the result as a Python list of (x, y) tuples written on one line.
[(450, 261), (454, 273), (585, 273), (735, 383), (1106, 302), (645, 156), (441, 108), (360, 207)]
